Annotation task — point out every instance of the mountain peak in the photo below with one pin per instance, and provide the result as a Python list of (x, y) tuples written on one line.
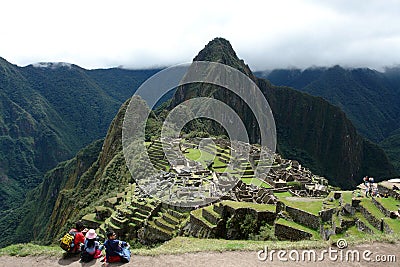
[(220, 50)]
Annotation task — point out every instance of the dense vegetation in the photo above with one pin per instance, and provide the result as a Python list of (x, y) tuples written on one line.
[(370, 99), (48, 112)]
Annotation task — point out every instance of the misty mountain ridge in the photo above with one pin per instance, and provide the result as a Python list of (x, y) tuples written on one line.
[(370, 98)]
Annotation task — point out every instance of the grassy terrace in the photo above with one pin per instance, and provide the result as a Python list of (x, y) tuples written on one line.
[(91, 217), (260, 183), (210, 209), (294, 225), (370, 226), (394, 224), (347, 196), (283, 195), (310, 205), (369, 206), (389, 203), (255, 206), (255, 182), (198, 214), (203, 157)]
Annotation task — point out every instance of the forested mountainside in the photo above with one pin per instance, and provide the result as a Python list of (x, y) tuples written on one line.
[(49, 111), (369, 98)]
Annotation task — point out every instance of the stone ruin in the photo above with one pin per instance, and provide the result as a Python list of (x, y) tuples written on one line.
[(141, 211)]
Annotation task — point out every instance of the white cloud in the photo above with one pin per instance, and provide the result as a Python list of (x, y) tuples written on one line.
[(266, 34)]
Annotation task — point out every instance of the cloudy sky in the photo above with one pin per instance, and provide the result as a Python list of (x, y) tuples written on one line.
[(142, 34)]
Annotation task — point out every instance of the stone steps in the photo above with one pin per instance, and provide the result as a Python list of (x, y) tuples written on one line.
[(176, 214), (161, 233), (210, 215), (170, 219), (118, 221), (143, 206), (141, 216), (372, 214), (137, 221), (289, 230), (160, 222)]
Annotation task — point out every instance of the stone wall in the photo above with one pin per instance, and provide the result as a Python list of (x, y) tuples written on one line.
[(377, 223), (389, 191), (210, 217), (348, 209), (386, 228), (326, 215), (283, 232), (381, 208), (304, 218), (199, 228), (363, 227)]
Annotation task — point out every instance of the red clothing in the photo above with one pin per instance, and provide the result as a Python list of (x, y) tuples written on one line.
[(79, 239), (113, 259)]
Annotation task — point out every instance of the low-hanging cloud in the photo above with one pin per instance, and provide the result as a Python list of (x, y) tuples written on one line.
[(266, 34)]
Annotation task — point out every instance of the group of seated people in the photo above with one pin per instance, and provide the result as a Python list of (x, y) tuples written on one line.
[(86, 243)]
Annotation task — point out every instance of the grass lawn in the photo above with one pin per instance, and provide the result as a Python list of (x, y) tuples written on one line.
[(246, 180), (259, 183), (255, 206), (370, 226), (367, 204), (180, 245), (203, 157), (23, 250), (312, 206), (193, 154), (282, 195), (389, 203), (347, 196)]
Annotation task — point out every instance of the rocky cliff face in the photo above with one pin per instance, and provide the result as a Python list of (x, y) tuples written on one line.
[(31, 219), (309, 129), (107, 175)]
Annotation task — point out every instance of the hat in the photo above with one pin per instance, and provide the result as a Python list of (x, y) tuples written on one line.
[(91, 234)]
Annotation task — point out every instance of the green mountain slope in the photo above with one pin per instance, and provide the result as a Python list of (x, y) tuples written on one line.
[(48, 111), (370, 99), (309, 129), (29, 221)]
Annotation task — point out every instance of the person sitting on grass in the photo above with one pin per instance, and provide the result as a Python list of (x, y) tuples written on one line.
[(91, 248), (116, 250), (79, 239)]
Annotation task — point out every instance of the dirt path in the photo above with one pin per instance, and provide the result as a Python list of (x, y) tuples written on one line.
[(215, 259)]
